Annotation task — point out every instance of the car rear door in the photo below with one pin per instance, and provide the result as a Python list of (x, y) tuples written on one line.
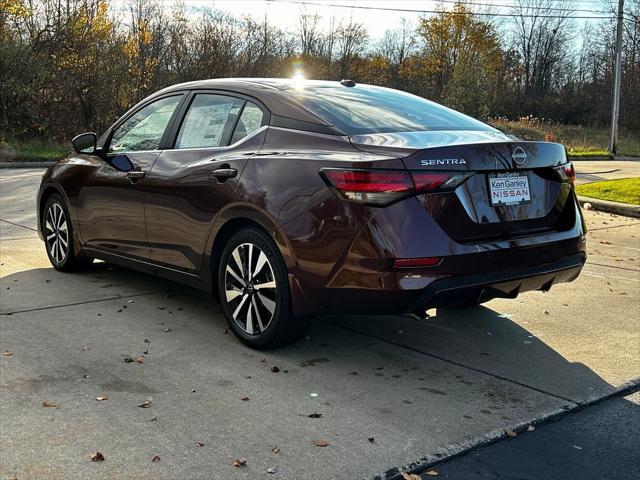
[(191, 182), (111, 200)]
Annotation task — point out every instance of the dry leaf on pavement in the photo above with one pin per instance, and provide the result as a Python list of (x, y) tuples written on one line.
[(431, 473), (146, 404), (530, 428), (199, 444), (101, 398), (97, 457), (240, 462), (315, 415), (244, 399), (410, 476), (321, 443), (510, 433), (275, 449), (7, 353), (156, 458), (47, 403), (275, 369)]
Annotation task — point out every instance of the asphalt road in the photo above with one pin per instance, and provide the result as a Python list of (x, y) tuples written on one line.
[(422, 390), (599, 442)]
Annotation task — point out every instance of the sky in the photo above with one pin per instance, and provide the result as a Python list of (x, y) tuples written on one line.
[(284, 14)]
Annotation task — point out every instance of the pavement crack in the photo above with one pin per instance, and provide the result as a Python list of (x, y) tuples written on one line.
[(453, 362), (48, 307)]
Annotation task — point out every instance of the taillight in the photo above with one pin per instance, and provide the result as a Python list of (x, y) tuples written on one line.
[(375, 187), (382, 187), (427, 181), (568, 172)]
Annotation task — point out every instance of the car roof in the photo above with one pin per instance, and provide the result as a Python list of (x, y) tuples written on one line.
[(272, 92)]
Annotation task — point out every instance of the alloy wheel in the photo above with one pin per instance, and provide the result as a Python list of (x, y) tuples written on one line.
[(250, 288), (56, 233)]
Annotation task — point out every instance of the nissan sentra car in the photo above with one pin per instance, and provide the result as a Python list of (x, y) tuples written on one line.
[(287, 199)]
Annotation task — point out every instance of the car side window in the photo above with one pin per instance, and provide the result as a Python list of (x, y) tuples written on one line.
[(144, 129), (250, 120), (208, 121)]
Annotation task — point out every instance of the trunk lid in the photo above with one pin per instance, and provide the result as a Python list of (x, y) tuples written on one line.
[(514, 188)]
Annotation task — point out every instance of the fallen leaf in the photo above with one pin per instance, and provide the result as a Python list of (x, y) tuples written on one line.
[(85, 348), (48, 404), (530, 428), (167, 330), (431, 473), (240, 462), (139, 359), (244, 399), (321, 443), (102, 398), (275, 369), (7, 353), (546, 312), (371, 439), (410, 476), (199, 444), (97, 457), (146, 340), (315, 415), (510, 433), (153, 419), (146, 352), (275, 449), (128, 360), (272, 470), (156, 458), (146, 404)]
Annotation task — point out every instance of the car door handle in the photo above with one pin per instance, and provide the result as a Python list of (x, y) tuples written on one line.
[(135, 175), (224, 173)]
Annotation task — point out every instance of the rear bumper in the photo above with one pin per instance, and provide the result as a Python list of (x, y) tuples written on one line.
[(466, 279), (504, 284)]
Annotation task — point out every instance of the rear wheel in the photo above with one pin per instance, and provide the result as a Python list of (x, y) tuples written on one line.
[(254, 291), (58, 236)]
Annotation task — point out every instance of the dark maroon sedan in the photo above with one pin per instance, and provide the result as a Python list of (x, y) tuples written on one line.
[(288, 199)]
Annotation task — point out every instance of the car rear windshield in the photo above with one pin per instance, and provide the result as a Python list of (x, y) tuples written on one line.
[(365, 109)]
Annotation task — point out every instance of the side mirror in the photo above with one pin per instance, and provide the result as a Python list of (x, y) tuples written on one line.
[(84, 143)]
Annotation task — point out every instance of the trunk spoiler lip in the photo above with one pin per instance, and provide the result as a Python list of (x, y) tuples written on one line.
[(462, 150)]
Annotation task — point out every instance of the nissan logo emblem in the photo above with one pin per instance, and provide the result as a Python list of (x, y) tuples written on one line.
[(519, 156)]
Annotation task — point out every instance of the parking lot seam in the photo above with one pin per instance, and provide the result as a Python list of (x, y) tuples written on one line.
[(17, 225), (123, 297), (453, 362), (612, 226), (614, 266)]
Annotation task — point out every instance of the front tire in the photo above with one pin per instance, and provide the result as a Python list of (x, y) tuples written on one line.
[(58, 237), (254, 292)]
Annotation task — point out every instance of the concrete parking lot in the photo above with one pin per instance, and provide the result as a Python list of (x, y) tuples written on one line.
[(391, 391)]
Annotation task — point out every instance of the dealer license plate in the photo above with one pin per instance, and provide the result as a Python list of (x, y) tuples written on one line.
[(509, 188)]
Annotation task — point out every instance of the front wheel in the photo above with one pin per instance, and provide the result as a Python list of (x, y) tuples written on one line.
[(58, 237), (254, 291)]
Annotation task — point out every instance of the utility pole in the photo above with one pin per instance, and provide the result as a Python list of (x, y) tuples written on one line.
[(615, 110)]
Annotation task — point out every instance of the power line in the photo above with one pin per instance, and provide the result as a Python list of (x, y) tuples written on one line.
[(513, 5), (411, 10)]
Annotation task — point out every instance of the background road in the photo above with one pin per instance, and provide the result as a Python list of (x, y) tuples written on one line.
[(391, 391)]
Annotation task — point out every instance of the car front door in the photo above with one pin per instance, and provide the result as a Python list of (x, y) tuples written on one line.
[(191, 182), (111, 201)]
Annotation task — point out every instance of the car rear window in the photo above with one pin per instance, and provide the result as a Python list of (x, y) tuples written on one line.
[(366, 109)]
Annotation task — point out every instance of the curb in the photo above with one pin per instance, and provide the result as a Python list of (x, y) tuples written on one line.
[(26, 164), (616, 208), (450, 452)]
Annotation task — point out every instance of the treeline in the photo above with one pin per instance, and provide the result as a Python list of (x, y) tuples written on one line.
[(72, 65)]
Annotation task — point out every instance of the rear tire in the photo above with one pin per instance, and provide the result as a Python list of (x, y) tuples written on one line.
[(253, 289), (58, 237)]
